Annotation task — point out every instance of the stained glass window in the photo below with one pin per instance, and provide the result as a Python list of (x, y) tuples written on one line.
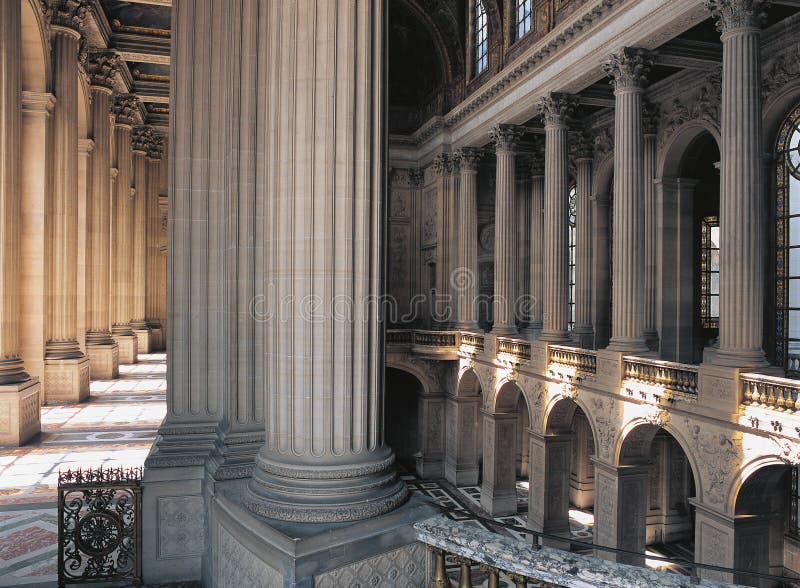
[(787, 291), (524, 17), (573, 206), (709, 281), (481, 38)]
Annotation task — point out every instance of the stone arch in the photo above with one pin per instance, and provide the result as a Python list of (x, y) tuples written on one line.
[(36, 66), (604, 173), (777, 107), (402, 365), (508, 396), (671, 157), (469, 384), (402, 401), (559, 413), (741, 475)]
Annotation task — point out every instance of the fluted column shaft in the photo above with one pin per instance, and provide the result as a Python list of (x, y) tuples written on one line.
[(153, 293), (324, 457), (537, 238), (62, 207), (122, 247), (138, 224), (650, 237), (628, 69), (741, 219), (555, 254), (465, 279), (11, 366), (505, 234), (583, 328)]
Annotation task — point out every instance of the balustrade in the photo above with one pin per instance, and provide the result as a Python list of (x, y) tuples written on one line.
[(583, 360), (780, 394), (677, 377), (517, 348)]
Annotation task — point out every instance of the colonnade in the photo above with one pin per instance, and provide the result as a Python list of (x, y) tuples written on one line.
[(79, 198)]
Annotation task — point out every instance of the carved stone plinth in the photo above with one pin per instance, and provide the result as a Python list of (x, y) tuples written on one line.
[(145, 340), (66, 381), (19, 412), (499, 489), (128, 348), (104, 361), (157, 342), (718, 391), (610, 368), (461, 432)]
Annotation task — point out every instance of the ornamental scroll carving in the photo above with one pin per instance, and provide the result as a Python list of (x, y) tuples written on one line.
[(705, 108), (719, 454)]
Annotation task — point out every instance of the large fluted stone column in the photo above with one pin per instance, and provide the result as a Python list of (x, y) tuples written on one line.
[(583, 331), (324, 457), (122, 231), (153, 288), (140, 145), (628, 68), (555, 109), (19, 393), (465, 279), (534, 328), (66, 369), (101, 348), (505, 138), (442, 307), (650, 114), (741, 219)]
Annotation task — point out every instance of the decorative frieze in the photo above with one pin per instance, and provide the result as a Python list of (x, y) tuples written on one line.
[(705, 108)]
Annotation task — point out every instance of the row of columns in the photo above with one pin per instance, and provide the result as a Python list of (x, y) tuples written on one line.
[(634, 248), (93, 212)]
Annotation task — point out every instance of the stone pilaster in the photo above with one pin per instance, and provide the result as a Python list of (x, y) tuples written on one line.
[(499, 488), (620, 505), (465, 276), (141, 139), (741, 219), (628, 68), (153, 287), (461, 441), (548, 499), (535, 293), (650, 114), (101, 348), (66, 369), (442, 307), (125, 107), (555, 109), (19, 393), (583, 331), (505, 138)]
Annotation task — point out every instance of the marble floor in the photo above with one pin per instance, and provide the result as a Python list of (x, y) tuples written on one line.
[(114, 427)]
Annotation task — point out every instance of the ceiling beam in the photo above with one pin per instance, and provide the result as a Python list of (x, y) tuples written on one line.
[(686, 54)]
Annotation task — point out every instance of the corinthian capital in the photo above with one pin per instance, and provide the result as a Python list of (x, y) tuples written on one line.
[(650, 117), (156, 146), (468, 158), (125, 107), (505, 137), (629, 67), (443, 164), (141, 139), (736, 14), (582, 145), (69, 13), (556, 107), (101, 67)]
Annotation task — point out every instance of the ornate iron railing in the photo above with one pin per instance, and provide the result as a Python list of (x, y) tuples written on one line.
[(583, 360), (517, 348), (678, 377), (99, 526), (771, 392)]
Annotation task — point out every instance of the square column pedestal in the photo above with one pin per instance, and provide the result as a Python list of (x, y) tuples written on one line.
[(144, 339), (128, 348), (19, 412), (156, 339), (243, 549), (104, 361), (66, 380)]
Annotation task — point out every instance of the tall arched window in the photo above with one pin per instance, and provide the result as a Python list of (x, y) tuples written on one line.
[(524, 17), (787, 300), (573, 208), (481, 41)]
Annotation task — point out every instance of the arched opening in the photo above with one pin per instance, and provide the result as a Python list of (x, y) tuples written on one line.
[(766, 538), (506, 446), (402, 415), (464, 434), (655, 483), (690, 245)]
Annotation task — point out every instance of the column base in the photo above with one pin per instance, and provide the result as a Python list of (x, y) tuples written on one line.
[(66, 381), (583, 337), (104, 361), (128, 348), (628, 346), (498, 505), (505, 331), (461, 475), (748, 359), (144, 341), (156, 339), (19, 412), (557, 337)]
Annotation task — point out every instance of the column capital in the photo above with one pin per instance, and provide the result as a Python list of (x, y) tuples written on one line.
[(650, 117), (125, 108), (142, 139), (628, 68), (443, 164), (556, 107), (156, 146), (732, 15), (505, 137), (582, 145), (41, 102), (416, 177), (67, 14), (102, 67), (468, 158)]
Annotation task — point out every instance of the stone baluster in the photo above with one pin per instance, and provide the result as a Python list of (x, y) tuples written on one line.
[(742, 215), (153, 287), (19, 393), (101, 348), (505, 138), (465, 278), (555, 109), (141, 140), (125, 108), (583, 331), (628, 68), (650, 113), (66, 370)]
